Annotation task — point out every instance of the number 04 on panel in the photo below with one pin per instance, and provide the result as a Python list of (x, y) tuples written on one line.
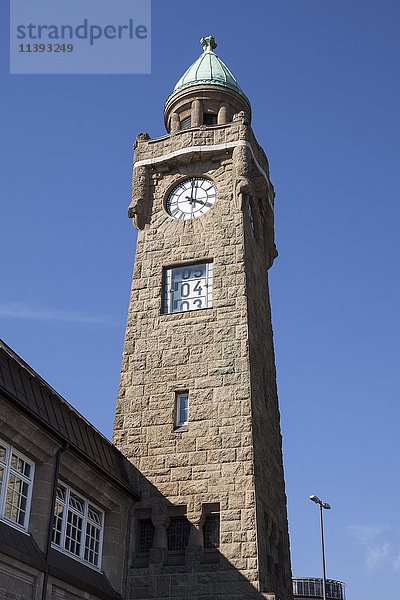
[(188, 287)]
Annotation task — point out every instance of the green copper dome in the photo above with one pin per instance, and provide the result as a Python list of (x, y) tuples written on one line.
[(208, 69)]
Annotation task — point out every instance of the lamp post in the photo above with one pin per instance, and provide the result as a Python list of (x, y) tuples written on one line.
[(322, 505)]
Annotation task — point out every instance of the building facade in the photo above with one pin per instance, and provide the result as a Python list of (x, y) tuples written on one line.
[(197, 410), (66, 496)]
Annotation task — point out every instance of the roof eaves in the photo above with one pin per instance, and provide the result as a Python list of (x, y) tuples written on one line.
[(61, 431)]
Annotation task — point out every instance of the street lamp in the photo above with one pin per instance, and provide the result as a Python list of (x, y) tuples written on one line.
[(327, 506)]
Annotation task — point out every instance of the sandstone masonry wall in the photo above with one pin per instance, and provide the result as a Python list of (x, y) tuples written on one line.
[(206, 352)]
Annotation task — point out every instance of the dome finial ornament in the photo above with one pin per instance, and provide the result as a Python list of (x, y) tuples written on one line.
[(208, 43)]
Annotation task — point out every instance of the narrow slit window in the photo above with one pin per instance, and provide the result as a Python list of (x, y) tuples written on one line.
[(182, 409), (211, 532), (251, 216)]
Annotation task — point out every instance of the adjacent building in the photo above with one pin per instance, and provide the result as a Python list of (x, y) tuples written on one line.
[(66, 495)]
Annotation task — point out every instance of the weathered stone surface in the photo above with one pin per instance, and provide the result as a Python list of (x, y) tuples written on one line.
[(230, 453)]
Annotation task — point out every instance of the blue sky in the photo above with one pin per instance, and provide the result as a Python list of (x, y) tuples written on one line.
[(323, 80)]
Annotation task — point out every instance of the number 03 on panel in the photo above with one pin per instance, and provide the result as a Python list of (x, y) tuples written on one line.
[(188, 287)]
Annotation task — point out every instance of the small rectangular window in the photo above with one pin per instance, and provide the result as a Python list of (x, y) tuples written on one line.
[(77, 526), (251, 215), (146, 535), (16, 482), (186, 123), (188, 287), (211, 532), (178, 533), (182, 409), (210, 119)]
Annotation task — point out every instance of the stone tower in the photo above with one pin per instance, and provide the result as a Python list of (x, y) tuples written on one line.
[(197, 409)]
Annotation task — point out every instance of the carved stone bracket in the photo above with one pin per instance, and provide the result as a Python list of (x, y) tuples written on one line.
[(241, 157), (141, 137), (272, 253), (241, 117), (138, 208)]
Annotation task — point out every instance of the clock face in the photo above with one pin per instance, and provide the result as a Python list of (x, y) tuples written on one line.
[(191, 198)]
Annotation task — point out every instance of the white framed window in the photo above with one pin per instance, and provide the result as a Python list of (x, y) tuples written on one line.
[(188, 287), (78, 526), (16, 482), (182, 409)]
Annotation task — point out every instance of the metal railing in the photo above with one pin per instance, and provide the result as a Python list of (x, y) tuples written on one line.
[(311, 587)]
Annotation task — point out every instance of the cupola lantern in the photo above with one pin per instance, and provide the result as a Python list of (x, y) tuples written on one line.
[(206, 94)]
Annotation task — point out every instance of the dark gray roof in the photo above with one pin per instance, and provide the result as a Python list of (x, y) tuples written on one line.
[(73, 572), (23, 548), (20, 384), (20, 546)]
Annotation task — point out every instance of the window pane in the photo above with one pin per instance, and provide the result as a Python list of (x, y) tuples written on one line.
[(20, 465), (146, 535), (61, 493), (211, 531), (92, 544), (76, 502), (59, 510), (183, 415), (73, 533), (15, 475), (178, 533), (95, 515), (16, 499), (183, 408)]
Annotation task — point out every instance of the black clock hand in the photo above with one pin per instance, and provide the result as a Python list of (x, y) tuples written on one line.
[(191, 199), (194, 196)]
